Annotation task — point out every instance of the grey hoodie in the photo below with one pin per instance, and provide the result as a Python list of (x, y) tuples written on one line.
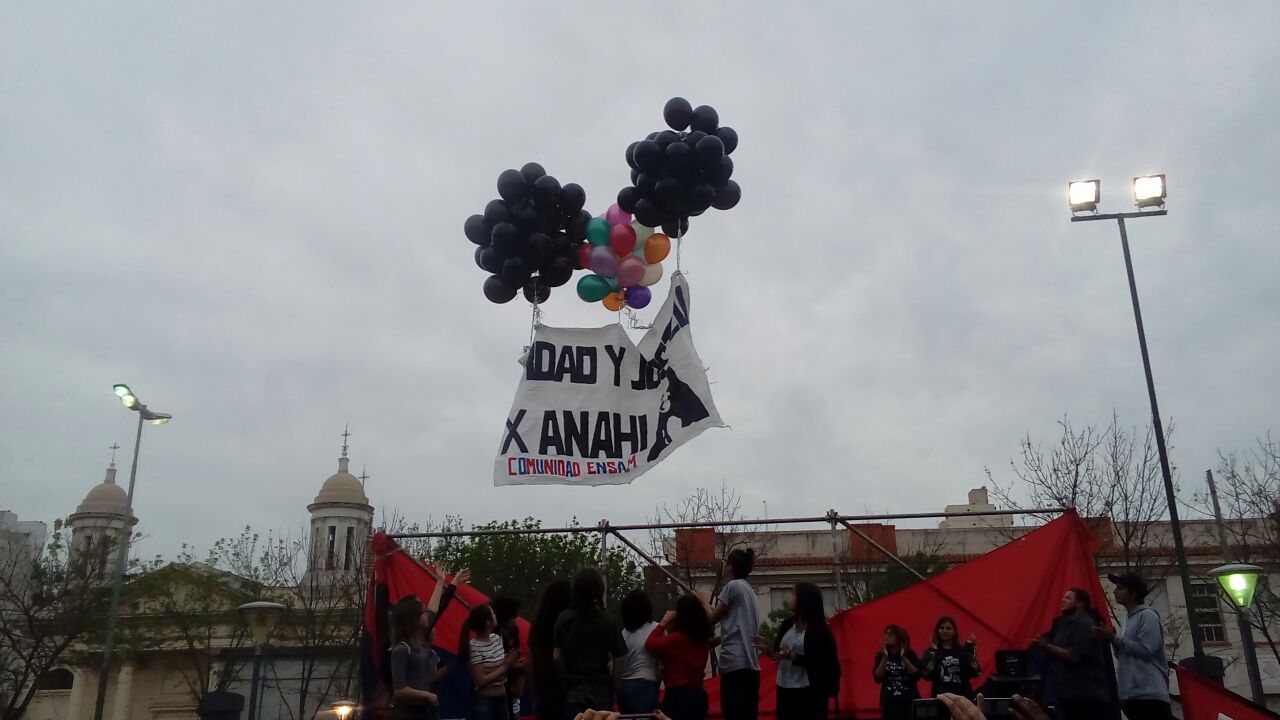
[(1141, 667)]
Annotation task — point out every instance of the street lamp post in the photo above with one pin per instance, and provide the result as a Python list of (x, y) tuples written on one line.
[(1148, 191), (130, 401), (261, 617), (1239, 581)]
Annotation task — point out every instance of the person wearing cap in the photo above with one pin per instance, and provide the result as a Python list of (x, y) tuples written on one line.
[(1141, 667)]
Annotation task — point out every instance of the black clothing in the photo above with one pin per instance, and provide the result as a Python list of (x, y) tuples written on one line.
[(951, 669), (587, 642), (685, 703), (898, 688), (801, 704), (819, 661), (1147, 710), (740, 695), (1086, 679)]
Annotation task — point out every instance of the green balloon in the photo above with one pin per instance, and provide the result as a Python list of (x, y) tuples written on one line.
[(593, 288), (598, 231)]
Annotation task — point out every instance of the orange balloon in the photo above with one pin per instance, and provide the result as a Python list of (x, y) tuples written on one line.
[(656, 248), (613, 301)]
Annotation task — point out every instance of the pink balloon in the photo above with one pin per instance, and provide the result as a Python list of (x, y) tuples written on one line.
[(616, 216), (630, 271), (603, 262), (623, 239)]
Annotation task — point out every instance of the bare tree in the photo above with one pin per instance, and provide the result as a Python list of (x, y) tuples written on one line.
[(706, 505), (51, 598)]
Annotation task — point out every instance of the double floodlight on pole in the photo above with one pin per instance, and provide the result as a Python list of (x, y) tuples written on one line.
[(130, 400), (1148, 191)]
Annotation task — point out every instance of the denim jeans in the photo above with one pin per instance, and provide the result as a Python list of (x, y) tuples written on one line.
[(636, 697)]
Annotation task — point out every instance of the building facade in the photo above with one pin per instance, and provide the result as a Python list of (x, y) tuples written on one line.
[(311, 661)]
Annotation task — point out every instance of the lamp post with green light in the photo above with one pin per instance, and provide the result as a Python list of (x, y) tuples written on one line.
[(1239, 581), (130, 401)]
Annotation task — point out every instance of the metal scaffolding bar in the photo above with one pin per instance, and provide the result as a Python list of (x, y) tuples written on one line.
[(822, 519)]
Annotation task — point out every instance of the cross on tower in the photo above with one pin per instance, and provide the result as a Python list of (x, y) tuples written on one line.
[(364, 475), (114, 447), (346, 433)]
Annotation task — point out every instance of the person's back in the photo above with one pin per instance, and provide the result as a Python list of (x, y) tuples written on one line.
[(738, 627)]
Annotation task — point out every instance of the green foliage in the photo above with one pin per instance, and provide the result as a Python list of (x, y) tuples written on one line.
[(769, 628), (521, 565)]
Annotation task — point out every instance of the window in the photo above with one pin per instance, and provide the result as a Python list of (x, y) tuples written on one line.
[(57, 679), (346, 556), (329, 554), (1204, 603)]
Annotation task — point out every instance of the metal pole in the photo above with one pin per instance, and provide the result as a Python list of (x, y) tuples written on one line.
[(1157, 427), (1242, 620), (122, 560), (649, 559), (604, 557), (253, 686), (835, 560)]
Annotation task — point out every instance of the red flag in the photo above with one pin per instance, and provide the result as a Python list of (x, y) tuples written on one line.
[(1205, 700)]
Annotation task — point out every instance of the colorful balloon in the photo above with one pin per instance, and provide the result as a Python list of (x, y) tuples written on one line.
[(642, 231), (598, 231), (638, 297), (592, 288), (630, 271), (652, 274), (603, 262), (617, 216), (623, 239), (584, 255), (656, 248), (613, 302)]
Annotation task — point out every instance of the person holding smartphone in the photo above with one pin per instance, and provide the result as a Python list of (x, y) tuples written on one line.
[(897, 669)]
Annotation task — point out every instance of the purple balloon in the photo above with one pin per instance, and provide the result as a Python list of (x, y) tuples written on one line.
[(603, 261), (617, 216), (638, 296), (630, 271)]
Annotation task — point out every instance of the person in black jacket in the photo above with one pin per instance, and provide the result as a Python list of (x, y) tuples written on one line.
[(950, 665), (808, 669)]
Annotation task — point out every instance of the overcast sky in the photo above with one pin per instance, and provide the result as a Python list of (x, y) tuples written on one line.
[(254, 217)]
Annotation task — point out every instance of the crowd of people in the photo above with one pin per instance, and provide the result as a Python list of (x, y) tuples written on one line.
[(582, 661)]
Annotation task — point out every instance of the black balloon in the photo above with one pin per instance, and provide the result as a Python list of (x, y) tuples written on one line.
[(665, 138), (511, 186), (627, 198), (709, 150), (677, 157), (489, 260), (537, 249), (479, 256), (526, 218), (645, 183), (531, 172), (692, 138), (507, 239), (546, 191), (727, 196), (558, 272), (559, 245), (498, 290), (648, 156), (676, 228), (536, 291), (729, 137), (572, 199), (495, 212), (577, 227), (631, 158), (705, 118), (647, 213), (515, 271), (723, 171), (699, 197), (677, 112), (668, 190), (476, 230)]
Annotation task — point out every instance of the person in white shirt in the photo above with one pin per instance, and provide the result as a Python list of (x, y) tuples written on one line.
[(739, 621), (638, 677)]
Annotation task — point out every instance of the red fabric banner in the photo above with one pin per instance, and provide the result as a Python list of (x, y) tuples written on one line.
[(1005, 597), (1202, 699)]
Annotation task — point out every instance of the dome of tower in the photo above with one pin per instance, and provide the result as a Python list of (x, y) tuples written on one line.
[(342, 487), (106, 498)]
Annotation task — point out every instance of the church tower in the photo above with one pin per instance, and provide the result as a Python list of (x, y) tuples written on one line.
[(341, 518), (98, 520)]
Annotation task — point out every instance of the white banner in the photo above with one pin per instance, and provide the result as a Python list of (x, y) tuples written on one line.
[(594, 409)]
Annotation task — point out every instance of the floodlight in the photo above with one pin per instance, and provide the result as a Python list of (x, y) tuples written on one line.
[(1239, 581), (122, 390), (1149, 190), (1084, 194)]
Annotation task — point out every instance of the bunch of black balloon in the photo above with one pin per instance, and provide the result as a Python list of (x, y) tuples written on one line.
[(682, 172), (529, 236)]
